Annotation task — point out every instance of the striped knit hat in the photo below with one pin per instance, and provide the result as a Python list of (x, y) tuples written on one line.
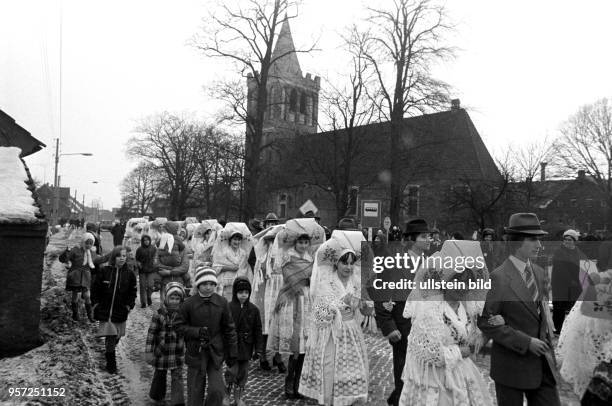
[(175, 287), (205, 274)]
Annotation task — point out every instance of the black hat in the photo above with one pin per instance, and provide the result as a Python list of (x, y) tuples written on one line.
[(347, 223), (416, 226), (241, 284), (524, 223)]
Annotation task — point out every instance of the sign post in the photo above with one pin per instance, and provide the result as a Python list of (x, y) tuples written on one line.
[(370, 215), (387, 226)]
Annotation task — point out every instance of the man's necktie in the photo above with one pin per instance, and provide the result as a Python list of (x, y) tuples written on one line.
[(531, 283)]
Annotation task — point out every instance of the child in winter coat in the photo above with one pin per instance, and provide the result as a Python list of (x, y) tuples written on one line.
[(206, 323), (250, 340), (113, 295), (145, 258), (165, 348)]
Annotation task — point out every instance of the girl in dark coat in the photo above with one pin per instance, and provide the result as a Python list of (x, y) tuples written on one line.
[(250, 340), (147, 272), (83, 260), (113, 295)]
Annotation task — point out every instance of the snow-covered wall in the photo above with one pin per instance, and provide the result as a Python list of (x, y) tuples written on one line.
[(16, 201)]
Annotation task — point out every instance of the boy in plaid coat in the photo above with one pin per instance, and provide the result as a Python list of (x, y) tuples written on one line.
[(165, 348)]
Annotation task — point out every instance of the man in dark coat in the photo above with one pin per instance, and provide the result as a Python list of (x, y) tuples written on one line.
[(117, 231), (205, 321), (250, 340), (522, 358), (389, 314)]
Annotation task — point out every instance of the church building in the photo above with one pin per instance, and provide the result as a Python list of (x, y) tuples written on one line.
[(442, 150)]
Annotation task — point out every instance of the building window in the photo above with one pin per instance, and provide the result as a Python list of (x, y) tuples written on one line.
[(574, 203), (411, 200), (588, 202), (303, 101), (293, 100), (283, 205)]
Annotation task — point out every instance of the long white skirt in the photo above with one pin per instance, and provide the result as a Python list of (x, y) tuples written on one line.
[(584, 342)]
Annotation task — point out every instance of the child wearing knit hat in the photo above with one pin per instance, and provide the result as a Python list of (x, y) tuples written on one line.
[(165, 347), (210, 339)]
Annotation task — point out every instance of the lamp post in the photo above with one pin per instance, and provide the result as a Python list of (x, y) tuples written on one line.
[(56, 179)]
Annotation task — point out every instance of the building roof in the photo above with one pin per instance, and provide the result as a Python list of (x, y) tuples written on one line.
[(17, 202), (13, 135), (287, 65), (436, 144)]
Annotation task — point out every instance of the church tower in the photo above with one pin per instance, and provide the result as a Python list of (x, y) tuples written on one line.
[(293, 99)]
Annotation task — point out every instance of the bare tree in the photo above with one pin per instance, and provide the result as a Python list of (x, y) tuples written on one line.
[(586, 144), (244, 33), (170, 143), (403, 42), (338, 162), (140, 187)]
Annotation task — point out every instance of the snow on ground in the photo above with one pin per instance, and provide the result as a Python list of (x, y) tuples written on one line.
[(16, 202)]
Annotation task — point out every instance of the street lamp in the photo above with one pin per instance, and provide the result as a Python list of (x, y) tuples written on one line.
[(56, 179)]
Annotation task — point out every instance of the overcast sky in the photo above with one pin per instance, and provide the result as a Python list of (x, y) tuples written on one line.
[(523, 68)]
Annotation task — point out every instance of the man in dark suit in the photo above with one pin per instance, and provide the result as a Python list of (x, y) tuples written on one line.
[(522, 358), (389, 314)]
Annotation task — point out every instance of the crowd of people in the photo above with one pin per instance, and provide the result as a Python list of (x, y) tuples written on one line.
[(290, 296)]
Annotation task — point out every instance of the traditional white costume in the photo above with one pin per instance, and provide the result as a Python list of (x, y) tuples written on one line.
[(224, 256), (335, 369), (435, 372)]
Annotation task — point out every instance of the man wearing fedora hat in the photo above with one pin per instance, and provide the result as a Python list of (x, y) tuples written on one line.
[(522, 358), (389, 314)]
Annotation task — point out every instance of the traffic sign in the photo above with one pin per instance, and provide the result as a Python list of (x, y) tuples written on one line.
[(370, 213)]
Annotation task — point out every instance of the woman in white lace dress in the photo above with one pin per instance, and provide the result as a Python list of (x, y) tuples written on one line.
[(585, 341), (336, 365), (438, 369), (230, 256)]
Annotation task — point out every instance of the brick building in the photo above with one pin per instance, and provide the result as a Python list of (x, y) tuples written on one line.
[(442, 150), (577, 203)]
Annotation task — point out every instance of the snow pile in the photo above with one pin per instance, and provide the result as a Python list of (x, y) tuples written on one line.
[(16, 202)]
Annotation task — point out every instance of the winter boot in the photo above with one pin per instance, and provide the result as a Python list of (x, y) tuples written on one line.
[(89, 312), (290, 378), (298, 373), (264, 364), (111, 362), (75, 311), (277, 361), (226, 398), (238, 394)]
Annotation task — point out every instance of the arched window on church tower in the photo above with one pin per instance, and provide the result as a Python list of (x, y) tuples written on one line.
[(293, 99), (303, 101)]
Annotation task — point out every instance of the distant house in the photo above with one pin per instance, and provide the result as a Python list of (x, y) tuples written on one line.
[(13, 135), (23, 231), (577, 203)]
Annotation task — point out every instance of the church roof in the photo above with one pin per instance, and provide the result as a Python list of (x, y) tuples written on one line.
[(13, 135), (440, 146), (287, 64)]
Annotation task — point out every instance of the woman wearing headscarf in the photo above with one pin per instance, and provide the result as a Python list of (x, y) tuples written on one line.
[(565, 280), (267, 282), (172, 257), (290, 318), (336, 363), (438, 369), (584, 349), (83, 260), (230, 256), (113, 295)]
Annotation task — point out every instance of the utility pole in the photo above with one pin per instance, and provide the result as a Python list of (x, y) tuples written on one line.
[(56, 185)]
